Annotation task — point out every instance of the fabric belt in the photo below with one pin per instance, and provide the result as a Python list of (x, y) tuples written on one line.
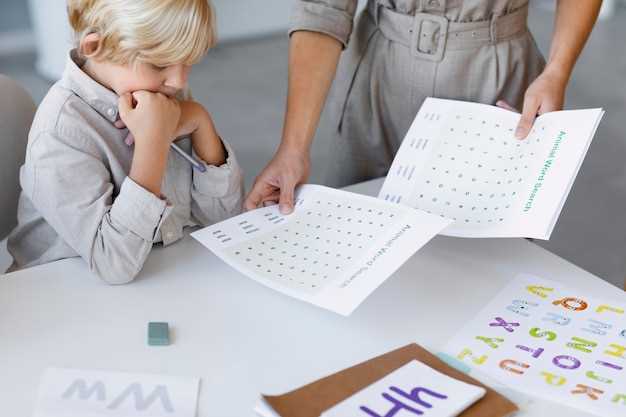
[(430, 35)]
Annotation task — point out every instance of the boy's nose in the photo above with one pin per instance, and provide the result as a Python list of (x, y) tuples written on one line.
[(177, 77)]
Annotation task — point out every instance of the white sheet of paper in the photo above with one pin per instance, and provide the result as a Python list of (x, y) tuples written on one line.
[(461, 160), (84, 393), (333, 251), (414, 386), (263, 409), (549, 341)]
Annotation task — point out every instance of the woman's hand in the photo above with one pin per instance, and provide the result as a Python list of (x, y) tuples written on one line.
[(277, 182), (545, 94)]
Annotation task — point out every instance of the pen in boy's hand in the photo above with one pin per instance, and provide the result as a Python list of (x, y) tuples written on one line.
[(193, 161)]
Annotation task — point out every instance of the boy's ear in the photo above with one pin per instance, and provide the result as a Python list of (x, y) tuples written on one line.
[(90, 44)]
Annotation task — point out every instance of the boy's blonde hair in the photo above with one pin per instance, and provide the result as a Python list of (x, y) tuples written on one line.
[(158, 32)]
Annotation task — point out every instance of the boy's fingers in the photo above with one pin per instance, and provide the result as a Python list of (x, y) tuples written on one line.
[(125, 103), (531, 105), (130, 139)]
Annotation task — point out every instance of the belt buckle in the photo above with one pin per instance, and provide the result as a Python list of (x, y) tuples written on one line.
[(422, 35)]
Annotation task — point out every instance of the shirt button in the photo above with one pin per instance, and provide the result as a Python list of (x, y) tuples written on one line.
[(111, 112)]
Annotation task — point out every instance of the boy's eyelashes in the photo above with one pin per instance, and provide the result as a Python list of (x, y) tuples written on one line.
[(157, 67)]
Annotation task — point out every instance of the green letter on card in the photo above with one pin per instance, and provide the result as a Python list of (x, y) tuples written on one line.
[(592, 375), (491, 342), (582, 344), (619, 351), (537, 332)]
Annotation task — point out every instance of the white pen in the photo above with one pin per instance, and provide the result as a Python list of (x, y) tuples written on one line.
[(193, 161)]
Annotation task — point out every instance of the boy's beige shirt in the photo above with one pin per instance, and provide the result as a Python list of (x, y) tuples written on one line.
[(77, 198)]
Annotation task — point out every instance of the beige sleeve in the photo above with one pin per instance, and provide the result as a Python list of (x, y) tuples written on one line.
[(332, 17), (217, 194)]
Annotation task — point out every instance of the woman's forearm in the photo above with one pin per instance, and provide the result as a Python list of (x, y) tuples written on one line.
[(573, 23), (313, 59)]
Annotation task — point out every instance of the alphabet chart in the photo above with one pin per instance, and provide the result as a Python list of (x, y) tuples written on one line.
[(333, 251), (546, 340), (414, 389), (460, 160), (83, 393)]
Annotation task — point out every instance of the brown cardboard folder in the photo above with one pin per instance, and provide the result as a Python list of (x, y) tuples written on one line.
[(317, 397)]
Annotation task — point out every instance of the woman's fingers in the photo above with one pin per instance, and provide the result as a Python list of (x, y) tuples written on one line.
[(286, 201), (531, 106), (261, 190), (503, 104)]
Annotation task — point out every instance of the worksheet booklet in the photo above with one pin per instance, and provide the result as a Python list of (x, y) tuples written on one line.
[(460, 160), (333, 251)]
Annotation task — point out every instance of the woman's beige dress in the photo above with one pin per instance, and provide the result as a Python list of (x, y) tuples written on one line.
[(401, 51)]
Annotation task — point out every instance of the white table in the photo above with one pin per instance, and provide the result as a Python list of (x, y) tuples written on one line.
[(240, 337)]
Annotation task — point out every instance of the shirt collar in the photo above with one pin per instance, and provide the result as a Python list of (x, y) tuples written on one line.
[(97, 96)]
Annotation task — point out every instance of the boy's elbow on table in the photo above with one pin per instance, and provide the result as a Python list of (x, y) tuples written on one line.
[(118, 264), (114, 274)]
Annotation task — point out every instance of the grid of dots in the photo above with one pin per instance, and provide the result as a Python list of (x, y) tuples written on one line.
[(477, 171), (314, 247)]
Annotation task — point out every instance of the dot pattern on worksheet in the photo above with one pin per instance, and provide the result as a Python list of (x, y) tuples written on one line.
[(313, 248), (476, 173)]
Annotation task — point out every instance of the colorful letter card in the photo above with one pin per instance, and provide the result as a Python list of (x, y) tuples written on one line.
[(76, 393), (414, 389), (544, 339)]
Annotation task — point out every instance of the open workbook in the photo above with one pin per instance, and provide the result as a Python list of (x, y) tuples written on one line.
[(461, 161), (333, 251)]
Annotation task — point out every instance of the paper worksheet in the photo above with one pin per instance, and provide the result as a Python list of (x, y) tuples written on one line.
[(550, 341), (89, 393), (462, 161), (333, 251)]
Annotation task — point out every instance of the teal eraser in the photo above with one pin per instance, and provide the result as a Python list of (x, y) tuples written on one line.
[(158, 334)]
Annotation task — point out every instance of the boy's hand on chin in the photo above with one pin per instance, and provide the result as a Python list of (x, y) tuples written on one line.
[(152, 118)]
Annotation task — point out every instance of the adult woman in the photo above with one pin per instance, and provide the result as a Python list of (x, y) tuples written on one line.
[(400, 52)]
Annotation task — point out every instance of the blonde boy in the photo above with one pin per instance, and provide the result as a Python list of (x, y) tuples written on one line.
[(85, 191)]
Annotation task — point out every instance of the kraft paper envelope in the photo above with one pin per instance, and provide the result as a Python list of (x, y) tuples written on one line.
[(315, 398)]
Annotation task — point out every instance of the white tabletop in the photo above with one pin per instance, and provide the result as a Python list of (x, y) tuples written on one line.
[(240, 337)]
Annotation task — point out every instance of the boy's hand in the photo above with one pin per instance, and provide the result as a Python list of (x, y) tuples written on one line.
[(192, 114), (152, 118)]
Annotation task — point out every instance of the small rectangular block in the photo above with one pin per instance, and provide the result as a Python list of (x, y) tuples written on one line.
[(158, 334)]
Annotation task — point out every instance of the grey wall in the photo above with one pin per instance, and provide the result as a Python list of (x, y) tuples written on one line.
[(14, 16)]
